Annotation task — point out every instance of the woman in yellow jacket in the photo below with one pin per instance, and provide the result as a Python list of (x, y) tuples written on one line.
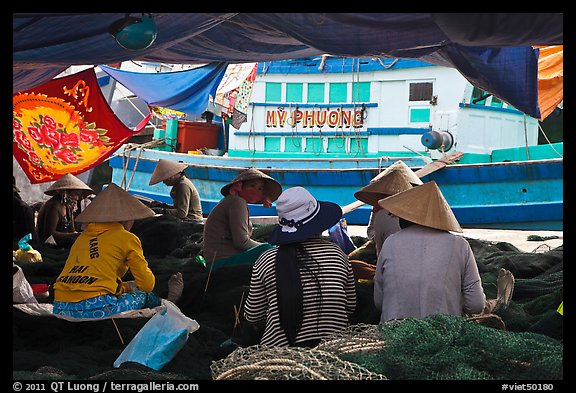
[(90, 285)]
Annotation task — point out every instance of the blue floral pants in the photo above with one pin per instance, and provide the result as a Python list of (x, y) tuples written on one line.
[(105, 305)]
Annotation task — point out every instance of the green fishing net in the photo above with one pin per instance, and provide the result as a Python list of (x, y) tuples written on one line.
[(443, 347)]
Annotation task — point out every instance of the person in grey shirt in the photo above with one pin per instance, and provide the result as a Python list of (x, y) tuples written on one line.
[(423, 269)]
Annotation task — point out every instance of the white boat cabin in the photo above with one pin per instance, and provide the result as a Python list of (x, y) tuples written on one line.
[(332, 107)]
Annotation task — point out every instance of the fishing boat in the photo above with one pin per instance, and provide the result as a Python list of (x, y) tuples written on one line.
[(331, 124)]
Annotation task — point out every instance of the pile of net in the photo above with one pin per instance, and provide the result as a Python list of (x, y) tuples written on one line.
[(439, 347), (324, 362), (288, 363), (538, 288)]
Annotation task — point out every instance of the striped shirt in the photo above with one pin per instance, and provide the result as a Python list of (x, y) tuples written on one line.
[(322, 315)]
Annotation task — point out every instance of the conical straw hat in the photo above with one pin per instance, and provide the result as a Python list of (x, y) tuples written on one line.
[(165, 169), (424, 205), (114, 204), (396, 178), (69, 182), (404, 169), (272, 188)]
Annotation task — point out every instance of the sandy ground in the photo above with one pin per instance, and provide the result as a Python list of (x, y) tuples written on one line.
[(516, 237)]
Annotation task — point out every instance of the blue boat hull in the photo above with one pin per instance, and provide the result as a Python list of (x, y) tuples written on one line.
[(510, 195)]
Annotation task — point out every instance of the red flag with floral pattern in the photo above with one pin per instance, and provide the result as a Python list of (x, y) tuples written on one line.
[(65, 126)]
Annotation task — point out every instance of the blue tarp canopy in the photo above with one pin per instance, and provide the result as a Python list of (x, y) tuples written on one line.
[(494, 51), (185, 91)]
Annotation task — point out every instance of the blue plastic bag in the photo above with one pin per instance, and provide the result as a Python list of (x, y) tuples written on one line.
[(160, 339), (23, 243), (339, 235)]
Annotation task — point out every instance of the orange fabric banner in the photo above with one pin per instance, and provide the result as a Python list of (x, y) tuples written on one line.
[(65, 126), (550, 78)]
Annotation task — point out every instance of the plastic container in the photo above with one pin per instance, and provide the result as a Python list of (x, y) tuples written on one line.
[(169, 131), (196, 135)]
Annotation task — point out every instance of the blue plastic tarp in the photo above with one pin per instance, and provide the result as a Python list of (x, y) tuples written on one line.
[(185, 91)]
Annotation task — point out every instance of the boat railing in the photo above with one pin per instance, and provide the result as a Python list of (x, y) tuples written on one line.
[(127, 152), (129, 148)]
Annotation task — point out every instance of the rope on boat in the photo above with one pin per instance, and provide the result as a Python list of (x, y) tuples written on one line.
[(294, 126), (356, 75), (129, 147), (548, 140), (526, 139), (389, 65)]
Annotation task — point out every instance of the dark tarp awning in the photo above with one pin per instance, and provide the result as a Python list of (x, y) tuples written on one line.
[(492, 50)]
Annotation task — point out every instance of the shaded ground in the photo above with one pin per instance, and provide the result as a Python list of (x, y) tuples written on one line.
[(51, 348)]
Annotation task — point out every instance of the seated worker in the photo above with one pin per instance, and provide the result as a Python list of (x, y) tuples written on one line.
[(56, 216), (396, 178), (90, 284), (303, 290), (228, 229), (423, 269), (22, 217), (185, 197)]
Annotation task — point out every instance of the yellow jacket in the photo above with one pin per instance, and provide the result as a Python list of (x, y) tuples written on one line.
[(98, 260)]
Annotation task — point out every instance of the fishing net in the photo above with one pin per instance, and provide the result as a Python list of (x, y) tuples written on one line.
[(287, 363), (439, 347), (443, 347), (360, 338), (168, 235), (538, 289)]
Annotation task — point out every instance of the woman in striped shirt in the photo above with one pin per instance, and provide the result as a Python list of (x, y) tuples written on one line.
[(304, 289)]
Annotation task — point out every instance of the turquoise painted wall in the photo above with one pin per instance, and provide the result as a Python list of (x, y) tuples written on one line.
[(539, 152)]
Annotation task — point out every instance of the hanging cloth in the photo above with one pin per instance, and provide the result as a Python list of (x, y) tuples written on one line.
[(233, 94), (65, 126), (550, 78)]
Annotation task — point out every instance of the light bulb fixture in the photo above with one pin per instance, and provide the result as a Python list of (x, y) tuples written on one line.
[(134, 33)]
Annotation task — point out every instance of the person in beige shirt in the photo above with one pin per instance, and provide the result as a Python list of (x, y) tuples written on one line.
[(228, 228), (185, 197)]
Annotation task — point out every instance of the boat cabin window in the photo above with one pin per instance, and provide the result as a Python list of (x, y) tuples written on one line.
[(421, 91), (314, 145), (315, 92), (361, 92), (273, 92), (294, 92), (338, 92), (272, 144)]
